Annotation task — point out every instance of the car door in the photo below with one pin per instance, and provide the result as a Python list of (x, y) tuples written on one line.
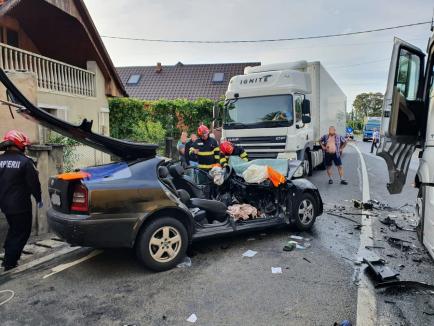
[(404, 113)]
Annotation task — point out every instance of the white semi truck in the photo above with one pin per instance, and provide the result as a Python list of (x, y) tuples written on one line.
[(281, 111), (408, 122)]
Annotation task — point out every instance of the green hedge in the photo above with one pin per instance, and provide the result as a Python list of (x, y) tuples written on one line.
[(141, 120)]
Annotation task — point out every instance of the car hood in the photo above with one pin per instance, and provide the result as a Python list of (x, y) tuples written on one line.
[(81, 133)]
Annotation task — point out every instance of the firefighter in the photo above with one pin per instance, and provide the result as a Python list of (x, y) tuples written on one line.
[(206, 148), (228, 149), (19, 180)]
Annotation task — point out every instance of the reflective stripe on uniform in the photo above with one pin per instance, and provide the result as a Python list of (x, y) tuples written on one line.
[(205, 166), (243, 155), (205, 153)]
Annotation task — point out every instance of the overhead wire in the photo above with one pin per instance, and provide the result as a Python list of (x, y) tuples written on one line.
[(267, 40)]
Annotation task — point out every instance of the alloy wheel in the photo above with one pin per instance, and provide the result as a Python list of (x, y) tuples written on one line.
[(305, 211), (165, 244)]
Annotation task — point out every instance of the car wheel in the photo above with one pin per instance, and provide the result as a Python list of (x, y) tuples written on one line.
[(305, 212), (307, 167), (162, 244), (365, 139)]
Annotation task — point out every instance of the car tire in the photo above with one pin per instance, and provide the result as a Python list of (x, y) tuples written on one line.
[(307, 166), (162, 244), (305, 210), (365, 139)]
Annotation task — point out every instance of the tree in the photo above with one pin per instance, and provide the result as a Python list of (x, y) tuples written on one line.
[(367, 105)]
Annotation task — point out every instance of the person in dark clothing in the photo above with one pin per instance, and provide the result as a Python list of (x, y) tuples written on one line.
[(190, 158), (206, 148), (19, 180), (228, 149)]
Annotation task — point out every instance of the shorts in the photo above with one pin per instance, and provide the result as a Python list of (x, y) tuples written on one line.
[(330, 158)]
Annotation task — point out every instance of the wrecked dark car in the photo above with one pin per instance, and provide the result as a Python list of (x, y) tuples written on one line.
[(154, 205)]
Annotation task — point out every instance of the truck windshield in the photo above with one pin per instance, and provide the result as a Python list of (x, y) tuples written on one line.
[(260, 112), (370, 127)]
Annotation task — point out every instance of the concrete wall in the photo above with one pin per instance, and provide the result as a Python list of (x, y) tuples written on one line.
[(26, 82)]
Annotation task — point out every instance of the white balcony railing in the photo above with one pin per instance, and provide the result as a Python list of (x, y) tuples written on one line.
[(52, 75)]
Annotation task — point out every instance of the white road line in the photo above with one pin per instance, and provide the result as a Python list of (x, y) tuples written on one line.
[(366, 302), (62, 267)]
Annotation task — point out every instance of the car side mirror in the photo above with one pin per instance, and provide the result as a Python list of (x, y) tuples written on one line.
[(305, 107), (305, 119)]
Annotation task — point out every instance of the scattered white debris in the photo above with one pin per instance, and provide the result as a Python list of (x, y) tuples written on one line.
[(302, 247), (250, 253), (296, 237), (185, 263), (276, 270), (251, 239), (192, 318)]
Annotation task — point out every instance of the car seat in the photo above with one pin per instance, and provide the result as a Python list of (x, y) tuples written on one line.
[(181, 182), (164, 175)]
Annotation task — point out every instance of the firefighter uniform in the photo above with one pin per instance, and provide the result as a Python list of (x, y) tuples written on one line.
[(209, 153), (19, 180), (237, 151)]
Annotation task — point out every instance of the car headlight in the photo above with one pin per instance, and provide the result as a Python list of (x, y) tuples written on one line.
[(299, 172)]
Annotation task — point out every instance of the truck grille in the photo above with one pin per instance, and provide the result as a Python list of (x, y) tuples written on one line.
[(261, 147)]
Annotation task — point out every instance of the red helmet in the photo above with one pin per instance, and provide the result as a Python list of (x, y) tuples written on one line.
[(226, 148), (202, 131), (18, 138)]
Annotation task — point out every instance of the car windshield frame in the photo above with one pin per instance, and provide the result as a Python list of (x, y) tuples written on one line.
[(280, 119)]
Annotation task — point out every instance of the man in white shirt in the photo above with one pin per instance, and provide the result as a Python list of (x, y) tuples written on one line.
[(375, 140)]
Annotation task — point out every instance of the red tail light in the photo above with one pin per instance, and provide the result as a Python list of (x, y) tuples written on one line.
[(80, 199)]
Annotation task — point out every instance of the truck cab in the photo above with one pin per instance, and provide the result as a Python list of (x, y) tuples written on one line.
[(371, 124), (273, 111), (407, 124)]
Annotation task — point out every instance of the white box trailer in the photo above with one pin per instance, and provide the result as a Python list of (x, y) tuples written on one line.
[(281, 111)]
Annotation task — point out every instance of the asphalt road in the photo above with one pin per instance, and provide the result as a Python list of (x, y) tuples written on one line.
[(316, 287)]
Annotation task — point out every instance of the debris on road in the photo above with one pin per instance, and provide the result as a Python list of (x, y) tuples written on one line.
[(296, 237), (304, 258), (406, 284), (250, 253), (343, 323), (381, 272), (192, 318), (401, 244), (276, 270), (290, 246), (185, 263), (11, 296), (362, 205)]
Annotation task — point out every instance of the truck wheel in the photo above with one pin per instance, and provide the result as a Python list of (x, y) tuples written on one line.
[(307, 164), (305, 211), (162, 244)]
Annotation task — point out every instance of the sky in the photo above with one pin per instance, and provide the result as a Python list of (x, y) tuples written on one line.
[(358, 63)]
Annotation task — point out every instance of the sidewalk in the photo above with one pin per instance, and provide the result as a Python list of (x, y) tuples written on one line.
[(38, 248)]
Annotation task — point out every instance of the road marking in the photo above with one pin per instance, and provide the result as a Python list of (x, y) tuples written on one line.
[(62, 267), (366, 302)]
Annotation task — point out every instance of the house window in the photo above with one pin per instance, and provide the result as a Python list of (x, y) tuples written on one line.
[(218, 77), (12, 37), (133, 80)]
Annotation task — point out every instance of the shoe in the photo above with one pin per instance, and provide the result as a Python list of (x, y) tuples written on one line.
[(9, 267), (344, 182), (330, 182)]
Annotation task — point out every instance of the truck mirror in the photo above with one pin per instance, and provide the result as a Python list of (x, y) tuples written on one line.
[(215, 111), (305, 119), (306, 107)]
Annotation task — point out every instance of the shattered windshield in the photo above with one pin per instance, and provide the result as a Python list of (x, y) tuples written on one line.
[(263, 111)]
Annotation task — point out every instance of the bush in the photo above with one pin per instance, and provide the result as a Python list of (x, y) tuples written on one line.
[(174, 116), (70, 156)]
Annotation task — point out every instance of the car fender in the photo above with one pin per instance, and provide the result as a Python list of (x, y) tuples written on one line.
[(180, 212), (305, 185)]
